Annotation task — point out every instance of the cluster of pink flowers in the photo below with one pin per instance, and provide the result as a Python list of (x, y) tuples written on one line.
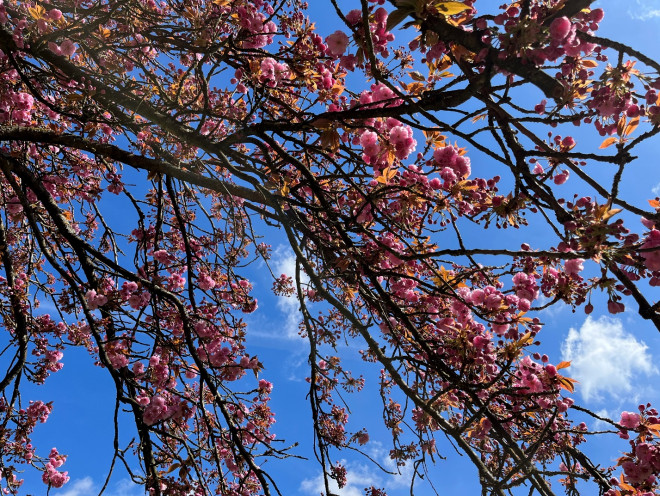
[(117, 352), (265, 387), (53, 358), (533, 377), (376, 94), (641, 465), (67, 48), (260, 31), (51, 475), (574, 266), (400, 136), (160, 371), (205, 281), (17, 106), (273, 72), (156, 411), (379, 33), (130, 293), (394, 247), (562, 35), (95, 300), (402, 139), (651, 257), (452, 165), (38, 410)]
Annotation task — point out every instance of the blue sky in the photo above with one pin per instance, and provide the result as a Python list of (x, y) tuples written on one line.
[(615, 360)]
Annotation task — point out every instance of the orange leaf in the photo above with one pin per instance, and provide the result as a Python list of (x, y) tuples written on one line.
[(387, 175), (655, 428), (589, 63), (631, 126), (611, 213), (567, 383), (563, 365), (417, 76), (627, 487), (525, 340), (621, 125), (654, 203), (37, 12), (608, 142)]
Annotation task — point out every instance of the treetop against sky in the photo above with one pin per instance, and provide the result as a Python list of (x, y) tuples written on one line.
[(409, 192)]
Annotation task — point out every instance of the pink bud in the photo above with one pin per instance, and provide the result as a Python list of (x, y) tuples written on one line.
[(597, 15)]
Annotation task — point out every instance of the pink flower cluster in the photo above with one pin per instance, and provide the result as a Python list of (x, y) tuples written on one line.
[(163, 257), (95, 300), (646, 466), (265, 387), (534, 377), (273, 72), (67, 48), (166, 406), (51, 475), (136, 299), (562, 35), (574, 266), (205, 281), (18, 107), (38, 411), (260, 31), (117, 353), (379, 33), (642, 464), (156, 411), (402, 138), (652, 257), (452, 165)]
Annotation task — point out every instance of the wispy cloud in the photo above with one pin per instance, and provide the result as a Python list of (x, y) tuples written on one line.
[(360, 475), (284, 262), (656, 188), (606, 359), (79, 487), (645, 10), (88, 487)]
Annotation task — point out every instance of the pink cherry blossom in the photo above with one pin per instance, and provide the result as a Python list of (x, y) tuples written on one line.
[(337, 43), (630, 420)]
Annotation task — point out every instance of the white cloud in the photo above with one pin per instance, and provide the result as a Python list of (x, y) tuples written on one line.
[(605, 358), (126, 487), (79, 487), (358, 476), (645, 9), (361, 475), (87, 487), (284, 262), (656, 188)]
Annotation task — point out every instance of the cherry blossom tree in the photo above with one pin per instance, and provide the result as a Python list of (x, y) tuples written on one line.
[(376, 147)]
